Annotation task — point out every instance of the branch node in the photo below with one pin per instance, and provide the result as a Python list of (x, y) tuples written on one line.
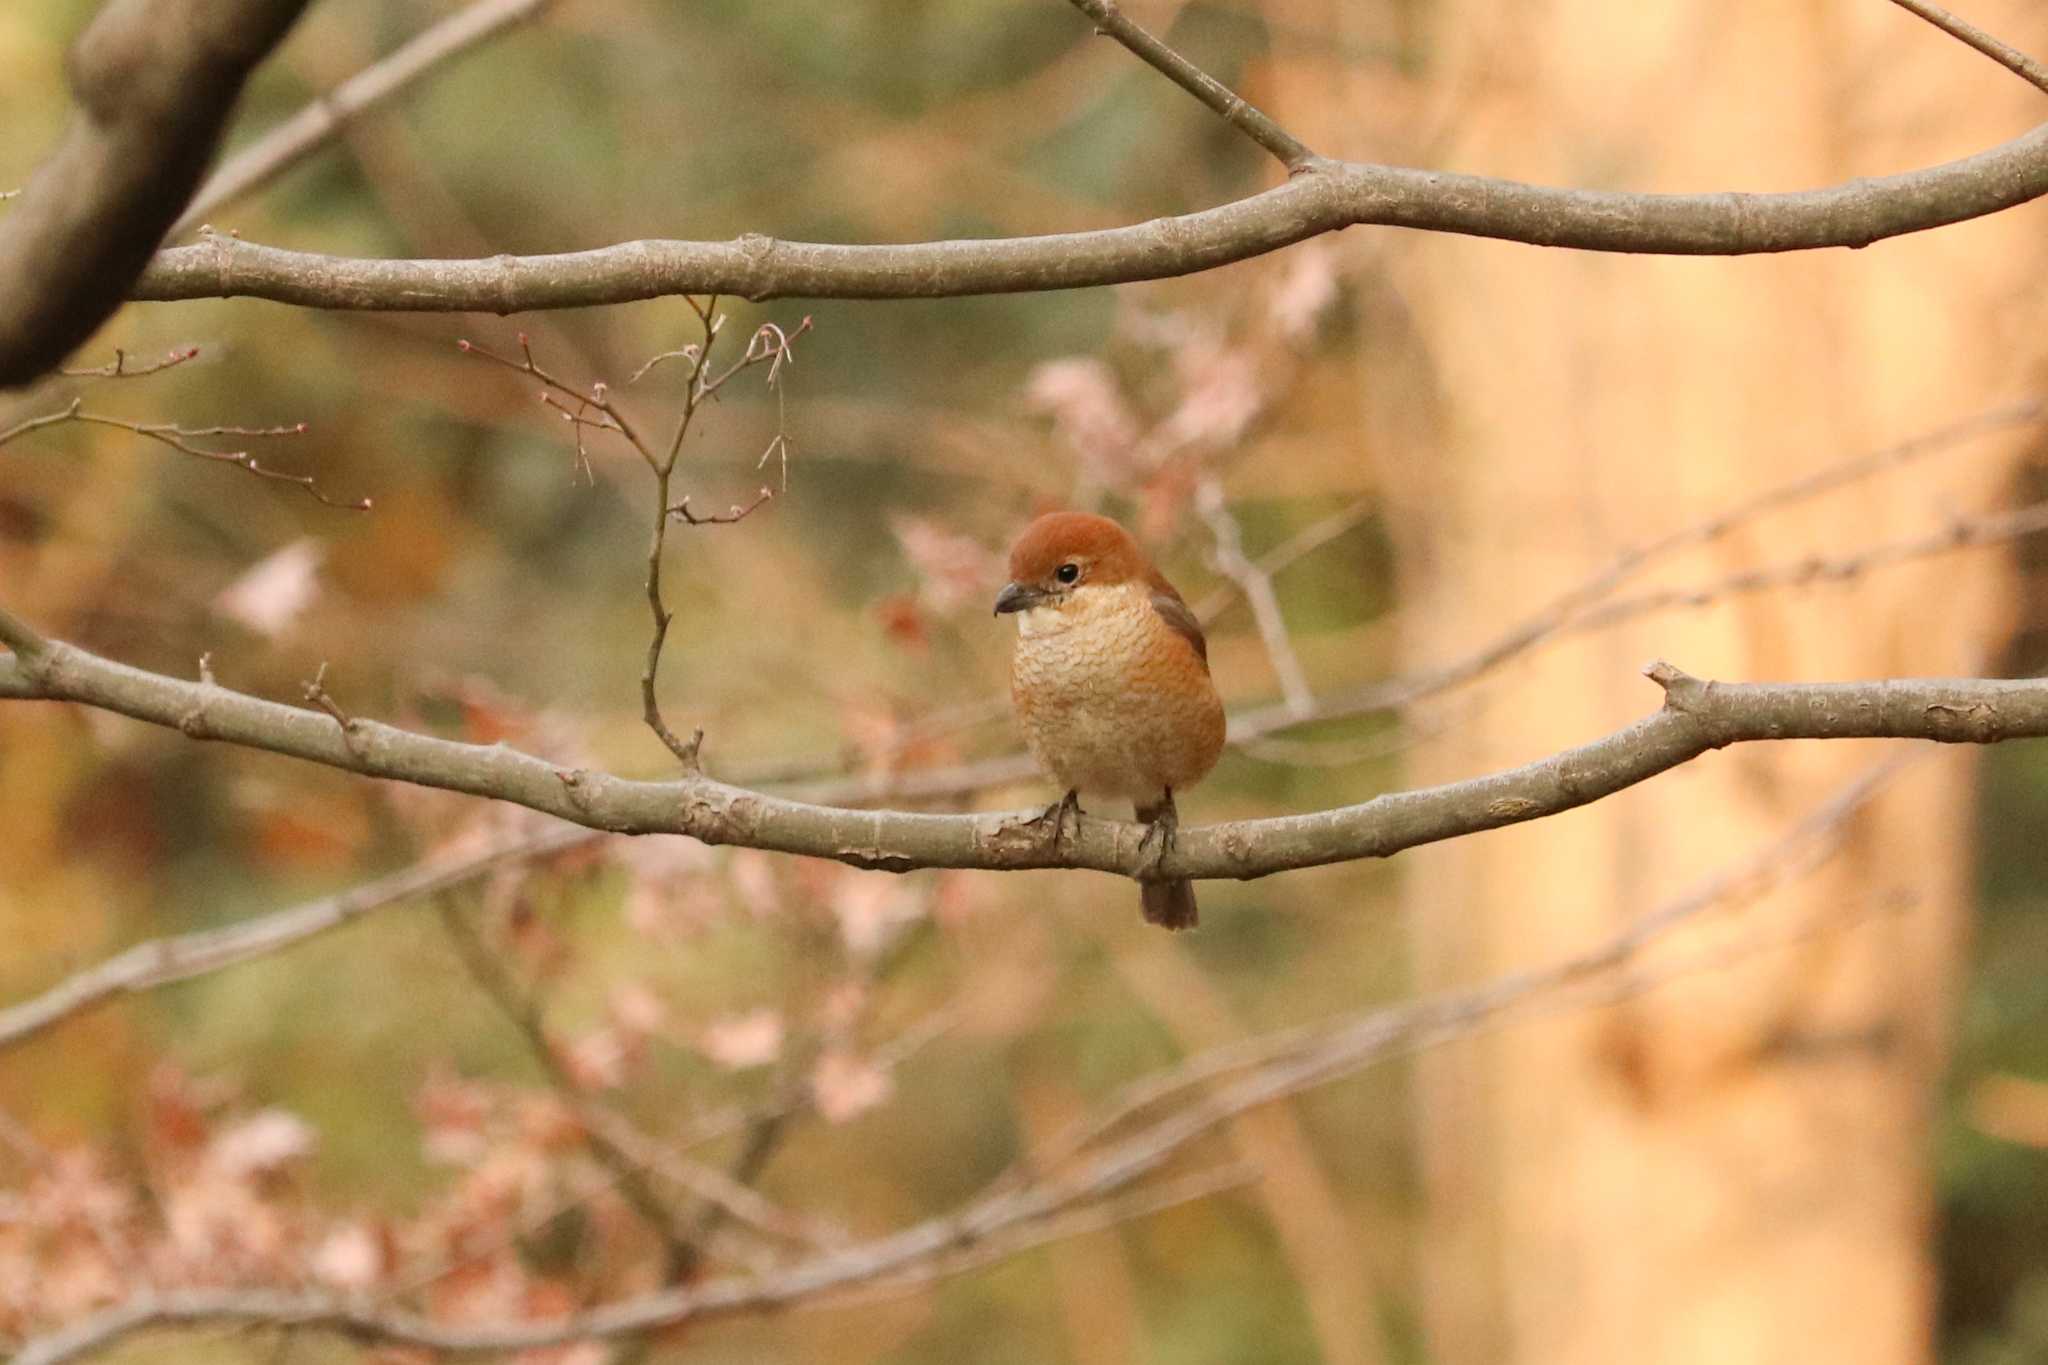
[(316, 692)]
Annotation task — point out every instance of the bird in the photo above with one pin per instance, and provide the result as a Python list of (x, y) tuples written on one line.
[(1110, 682)]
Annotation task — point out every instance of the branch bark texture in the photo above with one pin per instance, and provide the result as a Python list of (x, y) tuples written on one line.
[(155, 82), (1696, 716), (1323, 196)]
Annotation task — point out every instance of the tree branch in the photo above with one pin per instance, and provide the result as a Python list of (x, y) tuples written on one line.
[(159, 962), (1696, 716), (1259, 127), (2007, 56), (155, 82), (1324, 198), (1078, 1173), (304, 132)]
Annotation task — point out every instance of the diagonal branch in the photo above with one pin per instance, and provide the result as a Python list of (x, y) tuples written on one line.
[(1111, 21), (162, 961), (304, 132), (155, 82), (1963, 31)]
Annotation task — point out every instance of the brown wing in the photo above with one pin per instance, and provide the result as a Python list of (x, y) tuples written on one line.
[(1176, 613)]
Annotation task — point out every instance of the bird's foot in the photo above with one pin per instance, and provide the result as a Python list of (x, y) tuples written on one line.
[(1162, 832), (1056, 815)]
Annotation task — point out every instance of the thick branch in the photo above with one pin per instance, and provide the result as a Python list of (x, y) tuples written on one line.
[(1697, 716), (1324, 197), (155, 81)]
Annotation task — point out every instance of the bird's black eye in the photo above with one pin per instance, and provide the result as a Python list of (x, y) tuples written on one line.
[(1068, 573)]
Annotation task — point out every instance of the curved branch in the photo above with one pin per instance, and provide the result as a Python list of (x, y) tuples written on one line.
[(1696, 716), (155, 82), (1323, 197)]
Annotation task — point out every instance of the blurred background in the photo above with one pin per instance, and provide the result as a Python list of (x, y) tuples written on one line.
[(1442, 497)]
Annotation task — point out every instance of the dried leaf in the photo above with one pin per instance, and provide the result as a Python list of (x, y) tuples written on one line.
[(276, 590), (260, 1143)]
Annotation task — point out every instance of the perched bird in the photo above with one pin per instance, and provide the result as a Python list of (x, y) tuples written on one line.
[(1111, 681)]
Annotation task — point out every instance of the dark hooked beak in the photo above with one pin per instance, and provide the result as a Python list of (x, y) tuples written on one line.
[(1017, 597)]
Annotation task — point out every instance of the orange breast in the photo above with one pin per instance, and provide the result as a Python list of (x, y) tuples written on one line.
[(1112, 701)]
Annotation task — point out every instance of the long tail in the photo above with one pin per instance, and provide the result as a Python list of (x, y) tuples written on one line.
[(1169, 904)]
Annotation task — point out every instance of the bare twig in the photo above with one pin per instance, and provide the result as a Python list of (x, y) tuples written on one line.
[(181, 438), (1111, 21), (820, 778), (1963, 533), (2007, 56), (1290, 552), (159, 962), (1257, 586), (771, 346), (119, 368), (1578, 611), (286, 144)]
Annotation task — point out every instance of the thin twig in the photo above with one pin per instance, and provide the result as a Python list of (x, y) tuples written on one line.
[(182, 957), (1963, 533), (119, 368), (1290, 552), (1111, 21), (770, 345), (2007, 56), (310, 128), (1257, 587), (180, 438), (822, 780)]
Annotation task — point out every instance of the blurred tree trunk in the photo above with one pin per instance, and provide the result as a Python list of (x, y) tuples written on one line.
[(1733, 1166)]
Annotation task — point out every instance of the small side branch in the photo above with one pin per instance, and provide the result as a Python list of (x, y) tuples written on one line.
[(160, 962), (2006, 55), (596, 409), (183, 438), (306, 131), (1111, 21)]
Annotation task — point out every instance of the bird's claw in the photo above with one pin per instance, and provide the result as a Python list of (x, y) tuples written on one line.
[(1162, 832), (1056, 816)]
